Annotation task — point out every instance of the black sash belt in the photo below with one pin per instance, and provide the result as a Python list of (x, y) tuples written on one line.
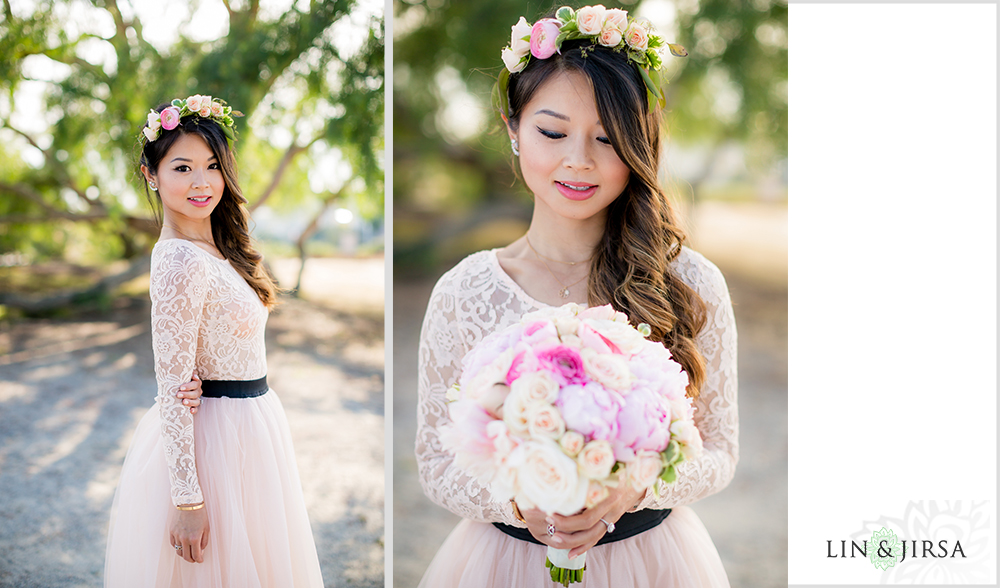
[(233, 388), (630, 525)]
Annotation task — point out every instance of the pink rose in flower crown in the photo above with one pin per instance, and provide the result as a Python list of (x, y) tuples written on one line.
[(216, 109), (193, 103), (637, 37), (543, 38), (590, 19), (170, 118)]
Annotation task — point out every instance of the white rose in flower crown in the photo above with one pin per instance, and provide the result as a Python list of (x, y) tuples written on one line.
[(151, 134), (512, 60), (610, 370), (544, 420), (596, 460), (596, 492), (536, 387), (153, 120), (643, 471), (549, 481), (617, 18), (518, 44), (572, 443), (193, 103), (610, 36), (637, 37), (589, 19)]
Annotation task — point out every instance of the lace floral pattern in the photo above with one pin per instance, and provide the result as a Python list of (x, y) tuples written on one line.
[(477, 297), (204, 316)]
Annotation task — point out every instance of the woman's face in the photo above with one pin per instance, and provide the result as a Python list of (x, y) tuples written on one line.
[(189, 180), (566, 158)]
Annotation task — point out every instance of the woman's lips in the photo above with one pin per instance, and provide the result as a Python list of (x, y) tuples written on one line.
[(576, 190), (200, 201)]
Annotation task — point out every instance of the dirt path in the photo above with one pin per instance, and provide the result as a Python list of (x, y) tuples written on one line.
[(72, 391)]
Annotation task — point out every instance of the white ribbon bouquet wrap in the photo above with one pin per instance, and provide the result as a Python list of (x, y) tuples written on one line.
[(569, 402)]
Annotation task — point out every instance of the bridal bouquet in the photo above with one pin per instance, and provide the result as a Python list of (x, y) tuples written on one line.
[(554, 410)]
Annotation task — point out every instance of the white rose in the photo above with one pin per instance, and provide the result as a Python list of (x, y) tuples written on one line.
[(685, 433), (596, 493), (589, 19), (544, 420), (637, 37), (609, 370), (548, 479), (626, 338), (518, 44), (536, 386), (151, 134), (566, 325), (515, 411), (572, 443), (153, 120), (596, 460), (643, 471), (617, 18), (610, 37), (513, 61)]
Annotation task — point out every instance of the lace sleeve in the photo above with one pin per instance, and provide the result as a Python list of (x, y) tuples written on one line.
[(444, 339), (178, 285), (715, 409)]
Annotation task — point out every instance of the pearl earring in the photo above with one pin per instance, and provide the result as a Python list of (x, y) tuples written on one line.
[(513, 147), (152, 186)]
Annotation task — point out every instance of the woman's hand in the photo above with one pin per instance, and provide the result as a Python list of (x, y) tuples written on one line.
[(580, 532), (189, 530), (190, 393)]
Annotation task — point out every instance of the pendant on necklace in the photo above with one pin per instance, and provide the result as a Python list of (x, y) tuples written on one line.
[(564, 293)]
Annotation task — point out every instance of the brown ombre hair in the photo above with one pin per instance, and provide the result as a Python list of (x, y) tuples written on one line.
[(631, 267), (230, 219)]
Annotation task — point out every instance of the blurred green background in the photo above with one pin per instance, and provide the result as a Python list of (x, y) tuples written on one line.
[(77, 79), (724, 165)]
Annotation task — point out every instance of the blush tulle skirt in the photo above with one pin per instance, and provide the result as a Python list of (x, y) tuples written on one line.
[(678, 553), (259, 533)]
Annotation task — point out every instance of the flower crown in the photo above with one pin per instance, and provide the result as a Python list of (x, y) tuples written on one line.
[(608, 27), (203, 106)]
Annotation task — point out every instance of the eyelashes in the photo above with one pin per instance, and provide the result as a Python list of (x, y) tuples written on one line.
[(555, 135), (185, 168)]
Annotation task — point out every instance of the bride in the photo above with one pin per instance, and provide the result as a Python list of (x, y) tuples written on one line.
[(211, 500), (583, 123)]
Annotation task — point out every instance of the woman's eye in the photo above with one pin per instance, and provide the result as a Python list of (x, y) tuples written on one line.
[(550, 134), (604, 140), (182, 168), (214, 166)]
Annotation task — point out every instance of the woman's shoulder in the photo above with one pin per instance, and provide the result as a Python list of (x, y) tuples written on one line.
[(477, 267), (179, 255), (695, 270)]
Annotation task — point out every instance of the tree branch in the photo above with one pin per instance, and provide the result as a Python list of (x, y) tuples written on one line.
[(279, 172)]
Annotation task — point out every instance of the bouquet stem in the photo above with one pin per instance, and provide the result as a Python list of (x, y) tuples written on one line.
[(564, 570)]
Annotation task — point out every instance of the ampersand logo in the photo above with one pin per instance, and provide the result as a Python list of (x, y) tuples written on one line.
[(889, 551)]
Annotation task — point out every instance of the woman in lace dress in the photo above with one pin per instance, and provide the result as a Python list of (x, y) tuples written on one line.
[(601, 232), (211, 500)]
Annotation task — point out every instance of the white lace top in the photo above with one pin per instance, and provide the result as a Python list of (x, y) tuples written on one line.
[(204, 316), (477, 297)]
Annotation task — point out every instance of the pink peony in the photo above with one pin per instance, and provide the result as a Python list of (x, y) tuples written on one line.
[(591, 410), (643, 424), (543, 38), (170, 118)]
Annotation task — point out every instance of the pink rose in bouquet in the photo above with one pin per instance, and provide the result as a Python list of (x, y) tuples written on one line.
[(555, 409)]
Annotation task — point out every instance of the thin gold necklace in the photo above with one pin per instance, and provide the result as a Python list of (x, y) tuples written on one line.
[(549, 258), (564, 293), (190, 238)]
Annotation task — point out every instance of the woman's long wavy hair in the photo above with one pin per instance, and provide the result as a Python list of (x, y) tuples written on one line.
[(631, 268), (230, 220)]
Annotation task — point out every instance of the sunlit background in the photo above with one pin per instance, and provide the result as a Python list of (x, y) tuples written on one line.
[(725, 167), (76, 374)]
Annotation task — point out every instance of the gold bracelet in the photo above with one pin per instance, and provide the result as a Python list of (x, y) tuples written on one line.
[(517, 512), (195, 507)]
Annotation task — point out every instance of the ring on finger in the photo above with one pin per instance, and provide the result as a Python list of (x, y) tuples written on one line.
[(178, 547), (551, 530), (611, 526)]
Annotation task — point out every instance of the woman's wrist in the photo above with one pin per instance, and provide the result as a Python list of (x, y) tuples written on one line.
[(187, 507)]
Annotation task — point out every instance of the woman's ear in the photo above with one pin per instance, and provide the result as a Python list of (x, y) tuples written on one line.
[(145, 172)]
